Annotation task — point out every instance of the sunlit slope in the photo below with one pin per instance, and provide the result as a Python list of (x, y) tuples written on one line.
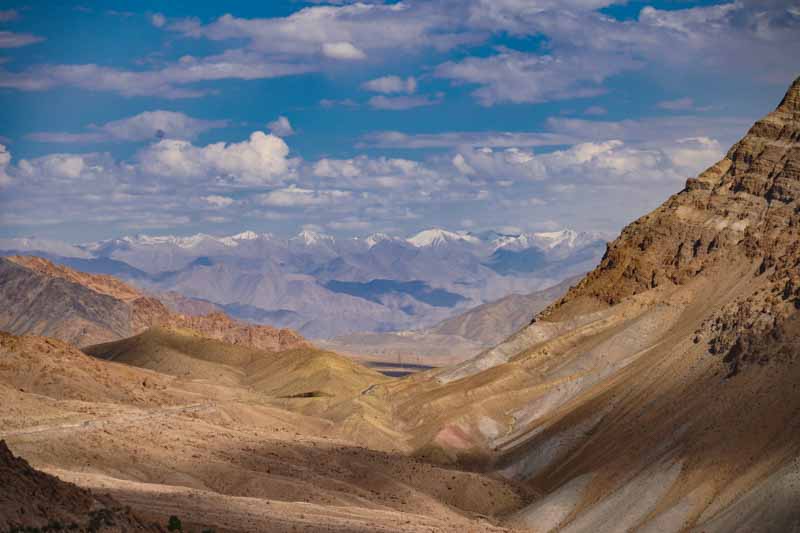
[(299, 372)]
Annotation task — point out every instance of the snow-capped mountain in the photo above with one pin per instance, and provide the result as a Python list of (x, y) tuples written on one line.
[(440, 237), (325, 286)]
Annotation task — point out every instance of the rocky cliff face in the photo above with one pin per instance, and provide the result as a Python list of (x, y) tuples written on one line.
[(743, 210), (42, 298), (219, 326)]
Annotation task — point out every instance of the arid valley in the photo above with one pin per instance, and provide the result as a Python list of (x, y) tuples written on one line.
[(400, 266), (659, 394)]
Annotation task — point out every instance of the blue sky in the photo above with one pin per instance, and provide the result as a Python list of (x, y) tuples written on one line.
[(179, 117)]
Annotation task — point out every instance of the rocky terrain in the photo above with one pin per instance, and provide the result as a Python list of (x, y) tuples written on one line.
[(32, 499), (40, 297), (236, 455)]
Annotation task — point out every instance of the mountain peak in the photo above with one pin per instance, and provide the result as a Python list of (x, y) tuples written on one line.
[(439, 236), (791, 100), (311, 238)]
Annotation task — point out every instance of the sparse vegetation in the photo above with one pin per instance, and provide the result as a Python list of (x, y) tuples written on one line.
[(174, 524)]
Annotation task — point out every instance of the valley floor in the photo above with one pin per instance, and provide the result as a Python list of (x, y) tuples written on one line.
[(224, 457)]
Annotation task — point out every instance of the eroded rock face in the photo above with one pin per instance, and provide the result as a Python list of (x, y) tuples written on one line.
[(32, 499), (41, 298), (743, 210), (221, 327)]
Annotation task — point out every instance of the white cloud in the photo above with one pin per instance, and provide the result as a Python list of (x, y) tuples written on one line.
[(149, 125), (64, 137), (611, 162), (218, 201), (518, 77), (68, 167), (363, 172), (152, 124), (9, 39), (260, 160), (294, 196), (399, 103), (652, 131), (164, 83), (342, 50), (158, 20), (281, 127), (494, 139), (5, 161), (391, 84), (346, 32), (595, 110), (681, 104)]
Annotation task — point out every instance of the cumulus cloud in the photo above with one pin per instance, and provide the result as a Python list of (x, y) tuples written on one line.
[(611, 162), (391, 84), (5, 160), (281, 127), (260, 160), (218, 201), (342, 50), (364, 172), (62, 167)]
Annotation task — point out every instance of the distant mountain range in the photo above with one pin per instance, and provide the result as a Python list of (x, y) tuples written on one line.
[(326, 287), (455, 339)]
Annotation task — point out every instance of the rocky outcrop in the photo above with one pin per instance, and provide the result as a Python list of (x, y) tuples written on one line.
[(31, 500), (743, 210), (220, 326)]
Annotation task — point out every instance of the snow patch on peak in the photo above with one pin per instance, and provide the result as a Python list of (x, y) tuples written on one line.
[(375, 238), (438, 237), (551, 239), (312, 238), (235, 240)]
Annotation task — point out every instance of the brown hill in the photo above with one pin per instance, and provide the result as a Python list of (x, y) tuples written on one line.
[(301, 371), (41, 298), (33, 501), (660, 394)]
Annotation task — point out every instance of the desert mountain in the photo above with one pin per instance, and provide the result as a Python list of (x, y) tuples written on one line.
[(326, 287), (660, 394), (40, 297), (455, 339)]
